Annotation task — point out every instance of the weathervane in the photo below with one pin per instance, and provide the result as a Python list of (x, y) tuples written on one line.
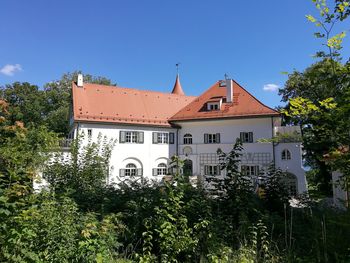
[(177, 67)]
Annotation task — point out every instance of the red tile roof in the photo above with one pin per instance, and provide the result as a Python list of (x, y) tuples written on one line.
[(113, 104), (243, 105), (177, 87)]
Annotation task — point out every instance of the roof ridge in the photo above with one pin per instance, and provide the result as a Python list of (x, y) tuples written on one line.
[(139, 90)]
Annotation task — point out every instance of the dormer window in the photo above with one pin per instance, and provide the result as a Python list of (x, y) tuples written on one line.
[(214, 103), (213, 106)]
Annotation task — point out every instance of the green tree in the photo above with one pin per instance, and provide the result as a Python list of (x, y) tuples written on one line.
[(309, 94), (25, 103), (58, 99), (49, 106), (83, 173)]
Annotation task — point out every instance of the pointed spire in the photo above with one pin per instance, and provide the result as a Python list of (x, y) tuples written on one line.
[(177, 87)]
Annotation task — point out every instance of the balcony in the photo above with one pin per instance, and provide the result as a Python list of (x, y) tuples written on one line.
[(287, 133), (65, 144)]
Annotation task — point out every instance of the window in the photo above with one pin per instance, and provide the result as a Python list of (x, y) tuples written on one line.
[(286, 155), (212, 138), (187, 138), (130, 170), (211, 170), (130, 137), (187, 168), (162, 169), (250, 170), (163, 137), (89, 132), (246, 136), (213, 106), (291, 183)]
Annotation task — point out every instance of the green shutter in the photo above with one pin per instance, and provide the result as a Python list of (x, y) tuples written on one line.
[(218, 138), (155, 137), (218, 169), (206, 170), (122, 137), (154, 172), (121, 172), (256, 170), (171, 138), (241, 136), (250, 134), (140, 137)]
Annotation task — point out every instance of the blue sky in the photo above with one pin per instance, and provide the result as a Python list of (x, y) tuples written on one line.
[(137, 43)]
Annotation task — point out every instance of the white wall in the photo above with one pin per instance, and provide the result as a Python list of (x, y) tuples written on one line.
[(230, 130), (294, 165), (146, 155)]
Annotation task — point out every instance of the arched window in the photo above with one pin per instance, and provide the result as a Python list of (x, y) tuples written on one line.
[(162, 169), (130, 169), (187, 138), (286, 155)]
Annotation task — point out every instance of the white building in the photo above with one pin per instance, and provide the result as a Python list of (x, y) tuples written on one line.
[(150, 127)]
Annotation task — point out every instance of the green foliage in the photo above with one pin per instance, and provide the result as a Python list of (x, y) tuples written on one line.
[(168, 233), (83, 173), (52, 229), (49, 106), (318, 101), (326, 21), (58, 99), (275, 189)]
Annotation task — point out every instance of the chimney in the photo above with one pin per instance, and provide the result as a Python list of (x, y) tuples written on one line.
[(80, 82), (229, 90)]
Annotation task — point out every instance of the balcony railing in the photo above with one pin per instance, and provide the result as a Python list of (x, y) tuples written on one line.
[(287, 133), (65, 144)]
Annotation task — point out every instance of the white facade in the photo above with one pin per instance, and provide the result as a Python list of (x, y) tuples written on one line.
[(201, 149), (145, 156)]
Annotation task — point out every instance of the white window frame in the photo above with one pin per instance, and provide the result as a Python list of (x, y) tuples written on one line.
[(131, 137), (188, 138), (130, 170), (162, 169), (163, 137), (250, 170), (286, 155), (211, 169), (246, 137), (211, 138), (213, 106), (89, 133)]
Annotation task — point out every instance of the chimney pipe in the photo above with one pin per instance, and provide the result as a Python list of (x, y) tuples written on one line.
[(229, 90), (80, 82)]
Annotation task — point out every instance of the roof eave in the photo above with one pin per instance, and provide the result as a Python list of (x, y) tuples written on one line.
[(212, 118)]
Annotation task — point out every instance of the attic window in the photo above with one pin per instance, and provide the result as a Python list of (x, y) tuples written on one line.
[(213, 106)]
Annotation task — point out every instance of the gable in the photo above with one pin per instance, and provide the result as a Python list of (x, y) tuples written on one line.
[(243, 105)]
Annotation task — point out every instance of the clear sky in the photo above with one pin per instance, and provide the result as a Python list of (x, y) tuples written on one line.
[(137, 43)]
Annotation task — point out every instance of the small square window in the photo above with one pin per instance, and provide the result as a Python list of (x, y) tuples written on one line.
[(246, 137), (212, 138)]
